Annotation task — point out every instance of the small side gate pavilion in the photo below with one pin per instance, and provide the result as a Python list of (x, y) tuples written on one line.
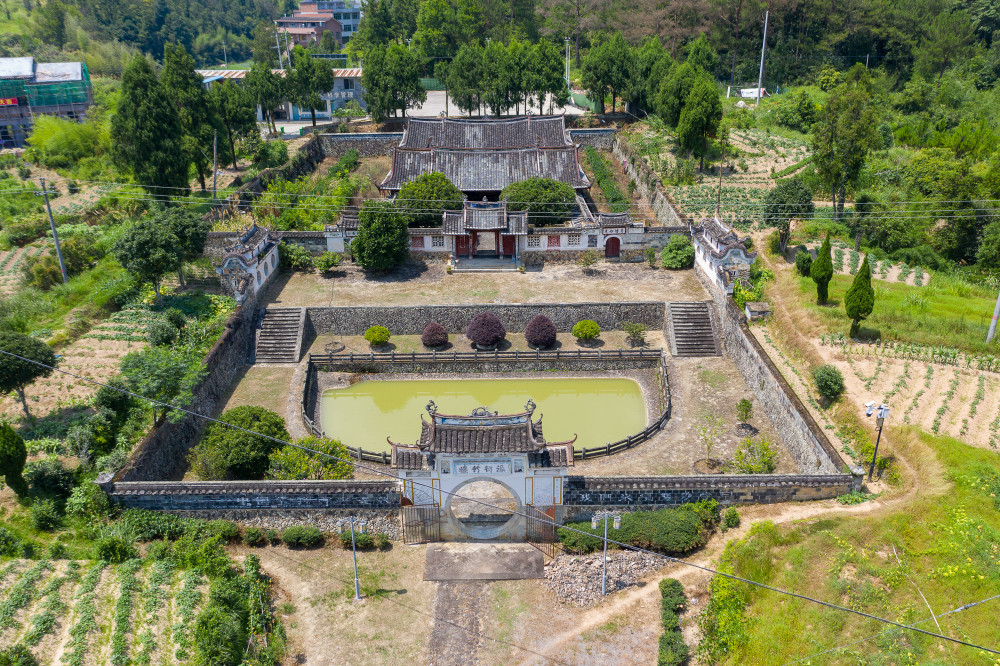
[(485, 229)]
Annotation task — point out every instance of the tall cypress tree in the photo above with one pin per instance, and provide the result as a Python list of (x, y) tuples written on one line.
[(146, 134), (191, 99), (821, 270), (860, 298)]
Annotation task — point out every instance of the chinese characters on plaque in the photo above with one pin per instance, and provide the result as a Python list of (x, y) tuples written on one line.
[(473, 467)]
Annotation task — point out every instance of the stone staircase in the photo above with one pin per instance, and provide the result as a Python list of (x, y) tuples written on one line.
[(482, 264), (691, 330), (279, 337)]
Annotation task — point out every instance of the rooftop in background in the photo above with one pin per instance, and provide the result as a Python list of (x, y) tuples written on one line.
[(240, 74), (42, 72), (528, 131)]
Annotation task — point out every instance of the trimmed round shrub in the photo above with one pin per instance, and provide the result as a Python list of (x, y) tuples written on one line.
[(160, 333), (829, 381), (377, 335), (586, 330), (434, 335), (253, 537), (672, 649), (540, 332), (298, 536), (486, 330)]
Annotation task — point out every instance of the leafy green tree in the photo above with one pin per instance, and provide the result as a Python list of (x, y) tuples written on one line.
[(678, 253), (233, 106), (37, 360), (652, 66), (264, 47), (191, 231), (701, 55), (437, 32), (191, 99), (744, 410), (375, 29), (50, 23), (267, 89), (425, 199), (789, 200), (308, 80), (608, 70), (163, 374), (547, 201), (463, 77), (821, 270), (391, 81), (291, 462), (989, 248), (948, 39), (383, 241), (13, 454), (860, 298), (674, 91), (843, 135), (547, 75), (498, 78), (146, 133), (755, 456), (149, 252), (864, 218), (700, 117), (241, 452)]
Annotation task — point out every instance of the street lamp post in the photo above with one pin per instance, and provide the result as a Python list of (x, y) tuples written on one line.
[(616, 524), (354, 551), (881, 412)]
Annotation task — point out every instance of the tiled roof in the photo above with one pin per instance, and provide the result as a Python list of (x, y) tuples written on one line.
[(480, 432), (349, 217), (487, 216), (613, 219), (407, 457), (543, 131), (552, 456), (239, 74), (486, 170)]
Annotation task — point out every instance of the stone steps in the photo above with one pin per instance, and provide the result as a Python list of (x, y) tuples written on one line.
[(691, 329), (279, 338)]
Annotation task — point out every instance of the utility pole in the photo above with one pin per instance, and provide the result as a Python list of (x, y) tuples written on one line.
[(277, 46), (225, 55), (866, 59), (718, 194), (215, 166), (760, 74), (52, 225), (993, 324)]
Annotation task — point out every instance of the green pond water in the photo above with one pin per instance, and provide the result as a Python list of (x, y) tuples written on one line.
[(598, 410)]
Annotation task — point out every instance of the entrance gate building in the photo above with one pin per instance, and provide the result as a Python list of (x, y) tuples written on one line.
[(485, 476)]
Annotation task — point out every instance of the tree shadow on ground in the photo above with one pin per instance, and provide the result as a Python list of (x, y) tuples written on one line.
[(54, 424), (404, 273)]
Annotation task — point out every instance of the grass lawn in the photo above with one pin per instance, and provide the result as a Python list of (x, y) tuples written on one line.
[(944, 312), (876, 564)]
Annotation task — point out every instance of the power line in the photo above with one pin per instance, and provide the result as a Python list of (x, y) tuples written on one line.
[(513, 512)]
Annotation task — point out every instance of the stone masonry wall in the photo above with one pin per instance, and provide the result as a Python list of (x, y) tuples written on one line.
[(603, 138), (367, 145), (412, 320), (648, 184), (162, 453)]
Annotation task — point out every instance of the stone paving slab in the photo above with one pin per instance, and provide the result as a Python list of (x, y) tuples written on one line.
[(483, 561)]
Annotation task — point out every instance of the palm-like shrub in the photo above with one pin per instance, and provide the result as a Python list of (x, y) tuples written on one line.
[(434, 335), (486, 330), (540, 332)]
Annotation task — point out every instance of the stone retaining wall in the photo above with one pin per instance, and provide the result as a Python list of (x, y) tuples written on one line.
[(648, 184), (255, 495), (603, 138), (515, 317), (162, 454), (583, 496), (374, 144)]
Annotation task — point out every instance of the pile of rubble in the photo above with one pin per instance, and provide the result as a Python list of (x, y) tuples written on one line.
[(576, 579)]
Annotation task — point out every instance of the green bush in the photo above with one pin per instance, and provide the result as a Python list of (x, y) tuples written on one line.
[(56, 551), (377, 335), (668, 618), (225, 452), (362, 540), (17, 655), (88, 501), (730, 518), (383, 241), (755, 456), (678, 253), (48, 477), (586, 330), (672, 594), (44, 515), (253, 537), (114, 549), (27, 231), (803, 262), (382, 541), (176, 318), (672, 649), (665, 530), (10, 544), (272, 536), (829, 381), (635, 332), (327, 261), (294, 257), (160, 333), (159, 550), (298, 536)]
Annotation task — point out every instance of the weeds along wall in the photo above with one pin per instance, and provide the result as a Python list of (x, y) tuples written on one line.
[(648, 184)]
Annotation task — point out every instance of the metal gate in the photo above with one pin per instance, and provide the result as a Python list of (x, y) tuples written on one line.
[(541, 529), (421, 523)]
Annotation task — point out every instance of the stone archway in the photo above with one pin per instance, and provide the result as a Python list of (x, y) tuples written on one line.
[(493, 509)]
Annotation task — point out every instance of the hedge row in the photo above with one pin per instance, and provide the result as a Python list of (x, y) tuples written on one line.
[(666, 530), (672, 650), (606, 181)]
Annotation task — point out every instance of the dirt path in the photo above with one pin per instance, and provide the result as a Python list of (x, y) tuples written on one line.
[(460, 619)]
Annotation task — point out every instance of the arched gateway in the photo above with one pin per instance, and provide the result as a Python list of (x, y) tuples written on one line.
[(478, 475)]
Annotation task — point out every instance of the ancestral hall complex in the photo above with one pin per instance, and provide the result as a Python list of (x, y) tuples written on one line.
[(454, 451), (481, 157)]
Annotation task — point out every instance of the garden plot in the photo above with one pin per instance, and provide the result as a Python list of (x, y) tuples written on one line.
[(12, 264), (847, 262), (81, 612)]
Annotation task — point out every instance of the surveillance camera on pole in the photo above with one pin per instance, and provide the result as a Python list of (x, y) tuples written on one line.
[(880, 416), (869, 407)]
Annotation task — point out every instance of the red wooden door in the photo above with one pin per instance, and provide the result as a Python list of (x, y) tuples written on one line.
[(462, 246), (508, 246), (612, 247)]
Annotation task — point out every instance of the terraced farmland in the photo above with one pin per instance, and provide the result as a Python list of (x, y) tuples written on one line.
[(12, 263), (83, 612)]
